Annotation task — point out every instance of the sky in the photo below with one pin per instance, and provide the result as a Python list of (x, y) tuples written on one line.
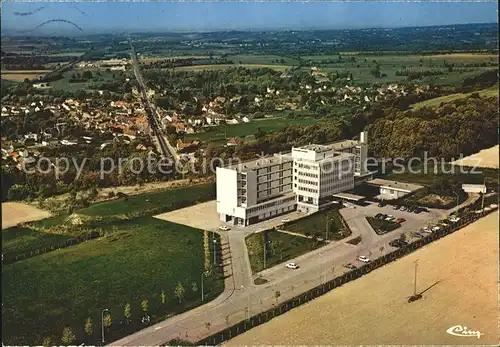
[(211, 16)]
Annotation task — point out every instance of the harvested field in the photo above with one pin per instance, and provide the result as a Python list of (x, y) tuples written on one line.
[(20, 75), (15, 212), (487, 158), (458, 278)]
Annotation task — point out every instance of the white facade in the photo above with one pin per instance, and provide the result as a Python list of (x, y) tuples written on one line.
[(319, 173), (359, 149), (305, 179), (253, 191)]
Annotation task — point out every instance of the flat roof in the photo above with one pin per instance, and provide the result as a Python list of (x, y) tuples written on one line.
[(343, 144), (349, 196), (394, 184), (315, 148), (258, 163)]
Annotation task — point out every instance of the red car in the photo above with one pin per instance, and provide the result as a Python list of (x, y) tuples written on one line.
[(400, 220)]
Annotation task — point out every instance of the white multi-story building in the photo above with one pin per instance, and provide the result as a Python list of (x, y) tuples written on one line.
[(305, 179), (319, 173), (253, 191), (359, 149)]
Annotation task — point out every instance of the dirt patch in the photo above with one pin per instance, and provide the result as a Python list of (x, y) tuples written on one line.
[(458, 277), (14, 213), (435, 199), (487, 158)]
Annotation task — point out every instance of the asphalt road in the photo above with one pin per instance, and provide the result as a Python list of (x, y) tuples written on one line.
[(166, 149), (242, 298)]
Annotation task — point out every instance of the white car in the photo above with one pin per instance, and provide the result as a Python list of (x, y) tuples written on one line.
[(224, 228), (285, 220), (292, 266), (427, 230), (364, 259), (436, 228)]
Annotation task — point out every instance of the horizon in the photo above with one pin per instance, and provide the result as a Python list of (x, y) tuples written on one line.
[(150, 17)]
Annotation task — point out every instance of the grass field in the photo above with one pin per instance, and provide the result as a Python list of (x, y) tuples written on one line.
[(135, 261), (487, 158), (281, 247), (316, 224), (243, 129), (458, 274), (227, 66), (153, 203), (419, 175), (21, 75), (20, 240), (64, 84), (490, 92)]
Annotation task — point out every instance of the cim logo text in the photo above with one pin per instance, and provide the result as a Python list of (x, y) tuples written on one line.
[(462, 331)]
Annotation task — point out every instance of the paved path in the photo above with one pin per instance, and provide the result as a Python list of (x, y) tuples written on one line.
[(242, 298)]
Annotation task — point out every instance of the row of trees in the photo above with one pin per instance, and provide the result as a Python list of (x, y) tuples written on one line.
[(69, 337)]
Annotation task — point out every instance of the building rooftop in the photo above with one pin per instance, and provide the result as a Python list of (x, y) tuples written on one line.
[(339, 145), (316, 148), (257, 163), (394, 184)]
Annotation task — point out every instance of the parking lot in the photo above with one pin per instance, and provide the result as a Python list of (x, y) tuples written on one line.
[(356, 219)]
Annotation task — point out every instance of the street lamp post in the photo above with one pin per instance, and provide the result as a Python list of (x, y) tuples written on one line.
[(324, 266), (265, 253), (457, 198), (202, 294), (327, 228), (215, 242), (102, 322), (248, 301)]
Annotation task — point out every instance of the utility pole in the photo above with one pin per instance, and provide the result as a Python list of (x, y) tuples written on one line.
[(415, 279), (482, 196)]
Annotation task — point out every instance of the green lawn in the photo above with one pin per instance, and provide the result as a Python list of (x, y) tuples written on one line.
[(315, 224), (152, 203), (22, 240), (243, 129), (281, 247), (36, 236), (382, 226), (135, 261), (64, 83), (420, 176), (490, 92), (227, 66)]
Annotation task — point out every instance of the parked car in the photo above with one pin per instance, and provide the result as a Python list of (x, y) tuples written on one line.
[(378, 215), (389, 219), (398, 243), (381, 204), (435, 228), (285, 220), (418, 235), (400, 220), (445, 225), (382, 216), (397, 207), (418, 210), (224, 228), (349, 266), (427, 230), (292, 266), (403, 208), (364, 259), (454, 219), (411, 209)]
